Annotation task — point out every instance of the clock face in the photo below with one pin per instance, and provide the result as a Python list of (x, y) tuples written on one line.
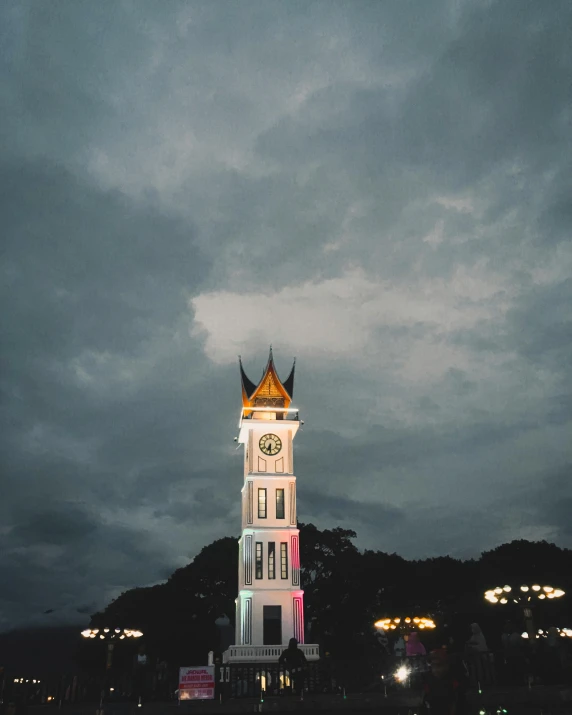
[(270, 444)]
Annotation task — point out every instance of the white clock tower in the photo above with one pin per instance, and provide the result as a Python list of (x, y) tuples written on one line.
[(270, 603)]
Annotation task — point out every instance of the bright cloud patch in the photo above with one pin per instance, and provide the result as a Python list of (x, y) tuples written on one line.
[(344, 317)]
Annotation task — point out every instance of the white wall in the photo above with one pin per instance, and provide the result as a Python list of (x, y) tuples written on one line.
[(269, 472), (249, 630)]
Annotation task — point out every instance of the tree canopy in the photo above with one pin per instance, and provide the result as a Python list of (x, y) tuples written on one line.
[(346, 590)]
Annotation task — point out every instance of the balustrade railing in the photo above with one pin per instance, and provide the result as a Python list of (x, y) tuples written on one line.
[(266, 653)]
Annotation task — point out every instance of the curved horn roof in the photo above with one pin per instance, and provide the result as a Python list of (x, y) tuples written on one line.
[(270, 384)]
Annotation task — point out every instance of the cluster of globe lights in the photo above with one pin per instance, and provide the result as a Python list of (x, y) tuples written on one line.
[(563, 632), (499, 595), (393, 623), (104, 633)]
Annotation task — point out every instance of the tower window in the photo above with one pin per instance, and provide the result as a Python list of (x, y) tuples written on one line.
[(280, 503), (284, 559), (271, 560), (259, 555), (262, 503)]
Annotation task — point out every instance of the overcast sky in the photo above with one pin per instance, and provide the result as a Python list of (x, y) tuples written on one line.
[(381, 189)]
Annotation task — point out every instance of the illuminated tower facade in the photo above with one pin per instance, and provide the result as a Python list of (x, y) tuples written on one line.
[(270, 603)]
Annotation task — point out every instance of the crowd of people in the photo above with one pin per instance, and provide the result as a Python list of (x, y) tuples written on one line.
[(448, 671)]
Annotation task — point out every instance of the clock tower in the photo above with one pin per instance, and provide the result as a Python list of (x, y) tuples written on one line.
[(270, 603)]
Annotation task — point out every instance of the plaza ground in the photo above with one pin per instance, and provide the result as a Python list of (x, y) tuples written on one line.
[(535, 701)]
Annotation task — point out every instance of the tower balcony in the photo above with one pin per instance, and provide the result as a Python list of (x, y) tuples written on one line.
[(281, 418), (266, 653), (270, 412)]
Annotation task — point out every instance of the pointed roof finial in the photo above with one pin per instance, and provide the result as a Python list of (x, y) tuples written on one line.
[(248, 387), (289, 381)]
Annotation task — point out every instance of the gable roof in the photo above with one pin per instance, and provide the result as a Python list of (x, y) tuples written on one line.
[(270, 384)]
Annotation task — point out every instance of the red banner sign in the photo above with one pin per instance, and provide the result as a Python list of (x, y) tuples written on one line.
[(197, 683)]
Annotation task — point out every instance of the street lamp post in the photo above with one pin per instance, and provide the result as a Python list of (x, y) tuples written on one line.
[(403, 625), (112, 636), (525, 597)]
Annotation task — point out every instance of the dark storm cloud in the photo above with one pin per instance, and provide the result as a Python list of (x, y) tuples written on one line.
[(382, 192), (399, 446), (50, 558), (541, 326), (550, 502), (68, 524), (89, 277), (333, 509), (75, 249)]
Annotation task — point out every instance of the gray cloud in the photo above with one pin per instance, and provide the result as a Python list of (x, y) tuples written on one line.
[(383, 193), (348, 511)]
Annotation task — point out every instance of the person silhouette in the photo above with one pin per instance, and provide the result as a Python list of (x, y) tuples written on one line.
[(294, 660)]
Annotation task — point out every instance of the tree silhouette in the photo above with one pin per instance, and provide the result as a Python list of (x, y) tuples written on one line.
[(346, 591)]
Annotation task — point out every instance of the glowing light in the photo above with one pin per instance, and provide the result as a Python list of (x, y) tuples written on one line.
[(121, 637), (402, 673), (95, 630), (524, 588), (102, 637), (507, 589), (558, 592), (498, 589), (92, 635), (550, 595), (106, 630), (118, 630), (525, 635), (86, 634), (503, 600), (536, 587), (542, 596), (271, 409), (547, 589), (393, 624)]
